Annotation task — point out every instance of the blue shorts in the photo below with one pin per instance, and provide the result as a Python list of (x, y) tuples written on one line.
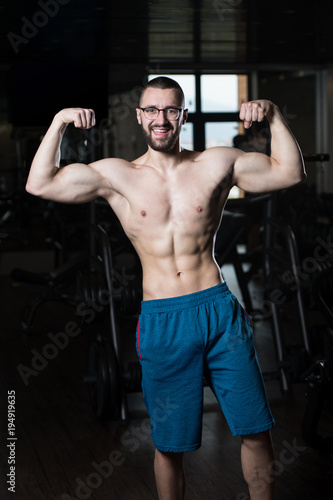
[(180, 341)]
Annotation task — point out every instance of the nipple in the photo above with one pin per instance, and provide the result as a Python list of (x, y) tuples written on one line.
[(199, 209), (143, 213)]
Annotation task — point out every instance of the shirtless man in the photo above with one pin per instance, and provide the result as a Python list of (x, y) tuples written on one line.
[(170, 202)]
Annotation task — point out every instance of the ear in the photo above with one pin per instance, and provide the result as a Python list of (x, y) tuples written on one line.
[(138, 115), (185, 116)]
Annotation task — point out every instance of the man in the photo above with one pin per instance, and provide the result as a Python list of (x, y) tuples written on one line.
[(169, 202)]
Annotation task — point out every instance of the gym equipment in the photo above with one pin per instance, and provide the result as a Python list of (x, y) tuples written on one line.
[(107, 387), (285, 280), (282, 283), (292, 359), (233, 229), (107, 377), (54, 217), (319, 377), (53, 287), (103, 379)]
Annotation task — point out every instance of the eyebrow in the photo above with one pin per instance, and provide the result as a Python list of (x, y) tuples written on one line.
[(155, 106)]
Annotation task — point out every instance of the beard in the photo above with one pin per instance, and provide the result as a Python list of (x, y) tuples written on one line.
[(163, 144)]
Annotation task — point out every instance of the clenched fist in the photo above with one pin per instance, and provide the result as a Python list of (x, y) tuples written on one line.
[(81, 118), (255, 111)]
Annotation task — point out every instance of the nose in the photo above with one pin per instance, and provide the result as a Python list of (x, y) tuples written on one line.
[(161, 116)]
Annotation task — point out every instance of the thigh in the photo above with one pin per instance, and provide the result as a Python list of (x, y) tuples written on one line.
[(171, 354), (234, 373)]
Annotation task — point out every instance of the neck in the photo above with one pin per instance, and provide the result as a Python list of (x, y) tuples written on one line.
[(165, 159)]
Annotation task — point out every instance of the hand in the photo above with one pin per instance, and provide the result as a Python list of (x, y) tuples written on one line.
[(255, 111), (81, 118)]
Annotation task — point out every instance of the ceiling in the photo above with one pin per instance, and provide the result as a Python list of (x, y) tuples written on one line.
[(176, 33)]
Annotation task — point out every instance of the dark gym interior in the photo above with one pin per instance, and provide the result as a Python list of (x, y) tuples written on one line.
[(73, 421)]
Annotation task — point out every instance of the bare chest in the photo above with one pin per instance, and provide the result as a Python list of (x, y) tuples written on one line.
[(185, 203)]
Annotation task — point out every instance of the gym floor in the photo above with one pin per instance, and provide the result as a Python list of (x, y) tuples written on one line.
[(62, 451)]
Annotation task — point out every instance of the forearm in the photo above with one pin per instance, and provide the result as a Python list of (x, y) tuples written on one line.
[(47, 158), (285, 151)]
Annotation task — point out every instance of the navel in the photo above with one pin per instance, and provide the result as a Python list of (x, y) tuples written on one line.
[(179, 273), (143, 213)]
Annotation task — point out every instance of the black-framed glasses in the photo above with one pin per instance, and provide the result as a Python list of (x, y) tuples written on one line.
[(151, 113)]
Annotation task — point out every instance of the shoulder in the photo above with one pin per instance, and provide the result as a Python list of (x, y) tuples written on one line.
[(220, 160), (222, 153), (114, 174), (112, 168), (107, 163)]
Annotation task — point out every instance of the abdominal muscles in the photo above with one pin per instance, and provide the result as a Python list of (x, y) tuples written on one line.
[(176, 256)]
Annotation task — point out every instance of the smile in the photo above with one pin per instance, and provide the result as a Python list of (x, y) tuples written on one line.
[(160, 131)]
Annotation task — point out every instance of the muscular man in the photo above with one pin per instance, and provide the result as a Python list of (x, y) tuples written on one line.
[(170, 202)]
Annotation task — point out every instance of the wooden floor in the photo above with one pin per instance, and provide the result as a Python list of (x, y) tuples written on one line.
[(63, 452)]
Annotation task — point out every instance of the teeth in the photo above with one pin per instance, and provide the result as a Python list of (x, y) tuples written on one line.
[(160, 130)]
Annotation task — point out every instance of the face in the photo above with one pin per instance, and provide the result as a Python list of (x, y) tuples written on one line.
[(161, 134)]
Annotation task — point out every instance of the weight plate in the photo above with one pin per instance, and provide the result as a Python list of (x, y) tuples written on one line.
[(134, 378), (113, 407), (98, 374), (104, 380)]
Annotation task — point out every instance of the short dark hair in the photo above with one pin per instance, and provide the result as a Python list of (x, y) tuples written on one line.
[(163, 82)]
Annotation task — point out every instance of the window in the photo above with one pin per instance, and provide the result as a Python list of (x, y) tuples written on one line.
[(186, 137), (220, 133), (219, 93)]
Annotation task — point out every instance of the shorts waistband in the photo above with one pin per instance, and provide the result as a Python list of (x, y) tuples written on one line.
[(184, 301)]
